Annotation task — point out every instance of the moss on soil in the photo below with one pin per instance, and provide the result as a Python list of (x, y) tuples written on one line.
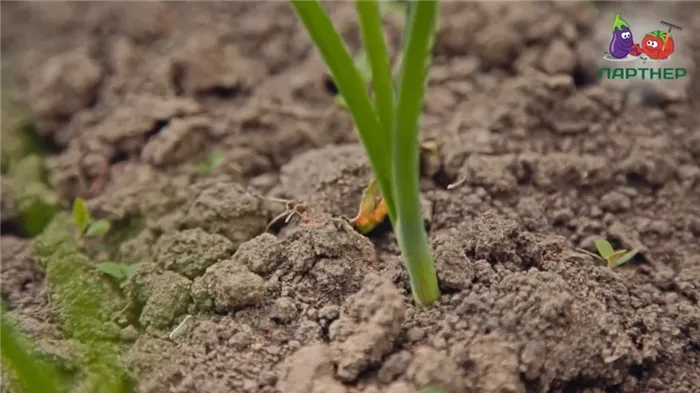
[(35, 202), (21, 154), (18, 135), (84, 304)]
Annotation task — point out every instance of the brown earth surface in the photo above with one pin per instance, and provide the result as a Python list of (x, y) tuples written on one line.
[(130, 97)]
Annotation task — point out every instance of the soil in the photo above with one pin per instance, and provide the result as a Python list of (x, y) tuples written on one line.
[(129, 98)]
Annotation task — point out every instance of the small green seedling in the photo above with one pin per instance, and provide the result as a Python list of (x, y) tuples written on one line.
[(208, 166), (86, 225), (607, 254), (120, 272)]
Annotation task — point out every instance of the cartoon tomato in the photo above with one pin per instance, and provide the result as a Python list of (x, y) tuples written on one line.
[(657, 45)]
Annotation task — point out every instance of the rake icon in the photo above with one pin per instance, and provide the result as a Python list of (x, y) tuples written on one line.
[(671, 26)]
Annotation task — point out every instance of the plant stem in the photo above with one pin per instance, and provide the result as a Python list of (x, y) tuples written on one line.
[(382, 82), (419, 261), (411, 234), (375, 47), (350, 84)]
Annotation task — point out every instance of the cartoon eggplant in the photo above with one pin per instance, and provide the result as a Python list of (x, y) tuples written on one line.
[(622, 40)]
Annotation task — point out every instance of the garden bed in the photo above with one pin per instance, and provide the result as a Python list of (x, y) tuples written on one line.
[(128, 101)]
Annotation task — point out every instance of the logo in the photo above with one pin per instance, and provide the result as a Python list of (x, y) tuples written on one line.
[(655, 47)]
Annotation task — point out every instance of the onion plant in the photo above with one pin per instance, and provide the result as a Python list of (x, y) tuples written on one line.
[(388, 121)]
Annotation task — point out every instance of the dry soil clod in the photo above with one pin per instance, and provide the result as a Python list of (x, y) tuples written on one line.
[(191, 252), (227, 286), (227, 209)]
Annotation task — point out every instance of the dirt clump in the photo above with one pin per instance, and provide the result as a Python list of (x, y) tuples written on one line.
[(261, 254), (8, 211), (369, 323), (168, 299), (178, 141), (328, 258), (229, 210), (335, 187), (67, 84), (137, 248), (191, 252), (492, 238), (17, 268), (137, 190), (155, 362), (430, 367), (284, 310), (207, 62), (454, 268), (227, 286), (310, 370)]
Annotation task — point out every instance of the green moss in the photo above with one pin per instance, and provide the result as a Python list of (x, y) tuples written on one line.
[(21, 152), (35, 202), (84, 304), (19, 136), (13, 143)]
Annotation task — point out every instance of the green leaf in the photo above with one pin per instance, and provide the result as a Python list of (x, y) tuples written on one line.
[(17, 358), (216, 159), (410, 229), (372, 210), (604, 248), (210, 164), (113, 269), (363, 66), (81, 214), (391, 7), (380, 68), (393, 152), (340, 101), (618, 23), (596, 256), (98, 228), (350, 85), (131, 270), (624, 259)]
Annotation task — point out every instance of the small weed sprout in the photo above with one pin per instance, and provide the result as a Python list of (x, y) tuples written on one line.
[(87, 227), (209, 165), (613, 258), (388, 122), (120, 272)]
